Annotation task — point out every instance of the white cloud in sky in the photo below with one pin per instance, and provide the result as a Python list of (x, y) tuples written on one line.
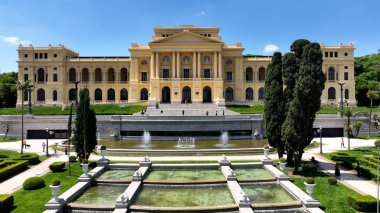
[(202, 13), (14, 40), (270, 48)]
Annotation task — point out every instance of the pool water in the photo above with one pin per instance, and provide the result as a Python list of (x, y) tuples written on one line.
[(184, 196), (100, 195), (252, 173), (182, 175), (117, 174), (267, 193)]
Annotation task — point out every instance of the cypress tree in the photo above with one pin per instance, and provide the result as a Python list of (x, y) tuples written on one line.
[(298, 126), (273, 102), (85, 127)]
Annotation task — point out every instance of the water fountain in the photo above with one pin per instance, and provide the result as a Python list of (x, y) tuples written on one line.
[(146, 138), (224, 138), (98, 136), (186, 142)]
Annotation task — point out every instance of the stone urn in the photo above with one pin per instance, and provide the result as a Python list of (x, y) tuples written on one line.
[(85, 168), (266, 151), (103, 153), (310, 184), (55, 191), (282, 166)]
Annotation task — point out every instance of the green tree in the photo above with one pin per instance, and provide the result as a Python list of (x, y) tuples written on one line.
[(298, 126), (273, 99), (8, 89), (371, 95), (85, 127)]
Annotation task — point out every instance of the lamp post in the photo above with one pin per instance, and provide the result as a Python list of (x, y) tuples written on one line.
[(76, 92), (320, 137), (47, 140), (29, 100), (341, 99)]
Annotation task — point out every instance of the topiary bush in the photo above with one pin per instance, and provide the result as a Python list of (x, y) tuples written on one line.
[(346, 159), (362, 203), (309, 168), (32, 158), (72, 158), (282, 160), (310, 180), (332, 181), (6, 202), (377, 143), (13, 168), (57, 166), (92, 164), (33, 183), (56, 182)]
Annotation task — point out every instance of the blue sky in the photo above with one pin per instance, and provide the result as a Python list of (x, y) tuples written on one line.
[(107, 28)]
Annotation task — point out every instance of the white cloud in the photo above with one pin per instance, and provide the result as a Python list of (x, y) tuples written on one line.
[(14, 40), (270, 48), (202, 13)]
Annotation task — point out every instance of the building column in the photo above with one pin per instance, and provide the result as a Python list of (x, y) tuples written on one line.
[(157, 65), (194, 72), (178, 64), (220, 66), (215, 69), (199, 64), (173, 64), (152, 65)]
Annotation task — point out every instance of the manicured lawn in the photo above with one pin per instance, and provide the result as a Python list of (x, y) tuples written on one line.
[(101, 109), (35, 200), (259, 109), (8, 139), (9, 153)]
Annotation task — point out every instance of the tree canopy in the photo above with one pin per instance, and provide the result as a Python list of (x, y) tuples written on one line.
[(8, 89), (367, 77)]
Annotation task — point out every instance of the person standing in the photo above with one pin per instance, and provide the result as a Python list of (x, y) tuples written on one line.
[(342, 143), (43, 146), (66, 150), (183, 112)]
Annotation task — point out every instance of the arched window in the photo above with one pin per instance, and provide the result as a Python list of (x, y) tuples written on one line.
[(331, 93), (123, 94), (331, 74), (40, 95), (144, 62), (111, 75), (262, 74), (124, 75), (207, 95), (261, 93), (111, 95), (346, 94), (186, 59), (144, 94), (55, 95), (98, 75), (85, 75), (166, 59), (98, 95), (229, 94), (249, 94), (207, 59), (72, 75), (41, 75), (72, 95), (249, 74), (229, 62)]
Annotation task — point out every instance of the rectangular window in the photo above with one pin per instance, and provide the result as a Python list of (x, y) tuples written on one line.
[(186, 73), (229, 76), (165, 73), (206, 73), (55, 68), (55, 77), (45, 55), (41, 55), (26, 77), (346, 76), (46, 78), (35, 55), (345, 67), (336, 54), (331, 54), (35, 77), (326, 54), (144, 76)]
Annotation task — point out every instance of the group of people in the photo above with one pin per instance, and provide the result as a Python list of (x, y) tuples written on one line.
[(216, 113)]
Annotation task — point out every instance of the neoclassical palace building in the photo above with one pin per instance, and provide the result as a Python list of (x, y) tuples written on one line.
[(184, 64)]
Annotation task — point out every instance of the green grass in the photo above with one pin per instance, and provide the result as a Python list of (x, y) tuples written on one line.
[(9, 153), (9, 139), (35, 200), (259, 109), (100, 109), (358, 152)]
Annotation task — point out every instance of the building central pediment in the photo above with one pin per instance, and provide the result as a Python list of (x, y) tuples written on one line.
[(186, 37)]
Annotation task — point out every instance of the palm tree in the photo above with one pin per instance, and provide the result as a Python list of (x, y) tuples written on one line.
[(372, 95), (23, 86), (349, 114)]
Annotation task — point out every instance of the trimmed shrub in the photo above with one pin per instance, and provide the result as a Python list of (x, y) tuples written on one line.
[(374, 153), (377, 143), (362, 203), (310, 180), (33, 183), (93, 164), (282, 160), (266, 146), (84, 161), (32, 158), (309, 168), (332, 181), (72, 158), (56, 182), (346, 159), (3, 156), (6, 202), (57, 166), (13, 169)]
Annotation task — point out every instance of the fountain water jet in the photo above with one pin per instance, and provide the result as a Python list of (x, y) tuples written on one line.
[(186, 142), (146, 138), (224, 138)]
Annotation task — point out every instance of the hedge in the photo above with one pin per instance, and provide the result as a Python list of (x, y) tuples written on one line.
[(308, 167), (362, 203), (346, 159), (32, 158), (33, 183), (13, 169), (6, 202), (57, 166)]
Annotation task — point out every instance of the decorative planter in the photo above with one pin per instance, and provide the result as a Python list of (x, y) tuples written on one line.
[(55, 191), (309, 188), (282, 167), (266, 152), (85, 168), (103, 153)]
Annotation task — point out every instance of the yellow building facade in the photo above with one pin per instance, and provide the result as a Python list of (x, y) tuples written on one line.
[(184, 64)]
